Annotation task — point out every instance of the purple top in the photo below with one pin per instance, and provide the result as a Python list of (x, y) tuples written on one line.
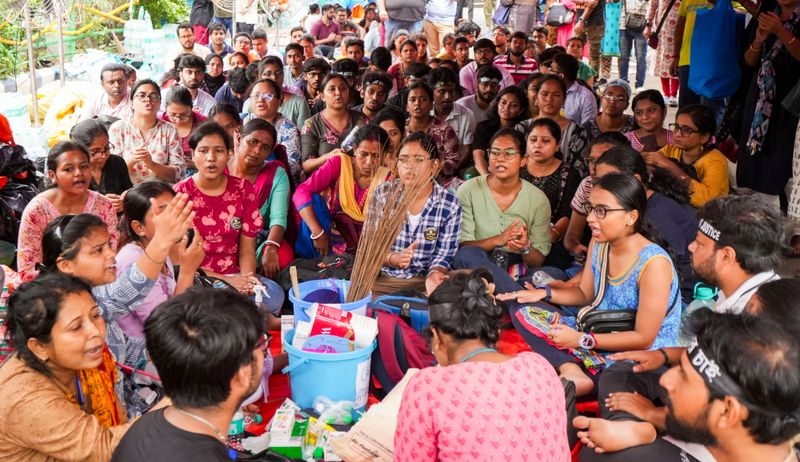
[(132, 323), (320, 31)]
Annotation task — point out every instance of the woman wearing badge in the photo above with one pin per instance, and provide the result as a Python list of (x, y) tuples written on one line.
[(423, 252)]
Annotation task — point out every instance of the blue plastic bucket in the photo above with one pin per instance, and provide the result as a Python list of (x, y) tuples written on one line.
[(341, 285), (339, 376)]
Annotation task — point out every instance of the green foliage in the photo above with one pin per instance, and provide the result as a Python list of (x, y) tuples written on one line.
[(166, 11)]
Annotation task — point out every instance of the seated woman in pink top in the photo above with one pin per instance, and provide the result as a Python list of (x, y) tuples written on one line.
[(70, 174), (351, 176), (227, 215), (483, 405)]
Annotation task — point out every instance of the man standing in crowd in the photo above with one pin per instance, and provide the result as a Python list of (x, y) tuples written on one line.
[(209, 361), (515, 61), (200, 18), (439, 18), (633, 38), (590, 25), (484, 56), (326, 31), (114, 100)]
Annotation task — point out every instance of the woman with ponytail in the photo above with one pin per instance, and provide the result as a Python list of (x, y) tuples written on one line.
[(474, 407)]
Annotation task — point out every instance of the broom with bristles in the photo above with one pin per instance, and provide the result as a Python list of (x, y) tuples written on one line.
[(385, 216)]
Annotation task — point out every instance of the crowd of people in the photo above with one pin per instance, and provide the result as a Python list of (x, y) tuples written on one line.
[(243, 157)]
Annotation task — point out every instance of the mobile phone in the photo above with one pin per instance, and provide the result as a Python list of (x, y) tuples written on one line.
[(190, 235)]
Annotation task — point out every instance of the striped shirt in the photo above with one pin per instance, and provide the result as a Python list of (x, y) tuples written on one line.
[(518, 72)]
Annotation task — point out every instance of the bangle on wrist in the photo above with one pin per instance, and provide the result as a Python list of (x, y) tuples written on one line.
[(755, 50), (666, 356), (548, 293), (153, 259), (319, 235), (272, 243), (794, 39)]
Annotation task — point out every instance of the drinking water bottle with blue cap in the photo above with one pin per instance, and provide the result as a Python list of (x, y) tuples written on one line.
[(703, 298)]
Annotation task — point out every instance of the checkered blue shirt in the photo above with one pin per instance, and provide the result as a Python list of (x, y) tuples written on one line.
[(436, 234)]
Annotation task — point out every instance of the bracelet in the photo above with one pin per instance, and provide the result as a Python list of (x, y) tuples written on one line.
[(391, 254), (666, 356), (314, 238), (555, 230), (794, 39), (153, 259), (757, 50), (273, 243)]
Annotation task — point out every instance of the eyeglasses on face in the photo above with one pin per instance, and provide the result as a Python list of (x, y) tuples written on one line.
[(683, 129), (255, 144), (508, 153), (415, 159), (144, 97), (263, 343), (268, 97), (102, 151), (615, 99), (600, 211)]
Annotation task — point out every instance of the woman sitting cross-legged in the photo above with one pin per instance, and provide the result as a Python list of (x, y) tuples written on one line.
[(227, 215), (351, 177), (505, 219), (640, 276), (450, 413), (422, 255), (57, 388)]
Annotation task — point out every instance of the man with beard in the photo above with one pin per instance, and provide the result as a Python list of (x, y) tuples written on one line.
[(375, 90), (737, 249), (734, 391), (444, 82), (488, 79), (223, 352), (314, 70), (326, 31), (515, 61), (191, 71), (484, 56), (114, 100), (188, 44), (500, 35)]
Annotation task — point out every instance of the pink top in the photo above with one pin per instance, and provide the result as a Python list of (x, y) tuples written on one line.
[(162, 142), (636, 143), (510, 411), (38, 213), (325, 177), (222, 220)]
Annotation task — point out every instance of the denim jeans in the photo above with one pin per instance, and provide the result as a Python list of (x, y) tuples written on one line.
[(470, 4), (475, 257), (391, 25), (628, 39), (227, 22)]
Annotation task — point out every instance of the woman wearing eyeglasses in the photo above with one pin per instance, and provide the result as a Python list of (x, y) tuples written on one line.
[(151, 147), (265, 101), (258, 159), (422, 254), (178, 104), (110, 175), (693, 148), (69, 171), (640, 276), (505, 220)]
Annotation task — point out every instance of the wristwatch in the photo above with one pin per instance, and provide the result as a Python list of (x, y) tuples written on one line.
[(548, 293), (587, 341), (526, 250)]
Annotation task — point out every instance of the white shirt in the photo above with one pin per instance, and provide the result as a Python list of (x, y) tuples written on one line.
[(468, 102), (199, 50), (738, 300), (204, 102), (98, 106), (462, 121)]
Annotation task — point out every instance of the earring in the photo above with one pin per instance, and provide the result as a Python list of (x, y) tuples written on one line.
[(44, 360)]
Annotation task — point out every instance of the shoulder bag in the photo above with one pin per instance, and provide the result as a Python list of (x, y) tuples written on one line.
[(652, 42), (559, 15), (590, 319), (634, 22)]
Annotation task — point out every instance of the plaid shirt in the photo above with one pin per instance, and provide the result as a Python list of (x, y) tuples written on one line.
[(436, 234)]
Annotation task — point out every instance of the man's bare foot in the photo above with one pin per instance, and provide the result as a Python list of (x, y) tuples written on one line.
[(573, 373), (610, 436)]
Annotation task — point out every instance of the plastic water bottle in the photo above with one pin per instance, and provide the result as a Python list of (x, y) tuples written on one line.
[(499, 257), (541, 279), (703, 298)]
